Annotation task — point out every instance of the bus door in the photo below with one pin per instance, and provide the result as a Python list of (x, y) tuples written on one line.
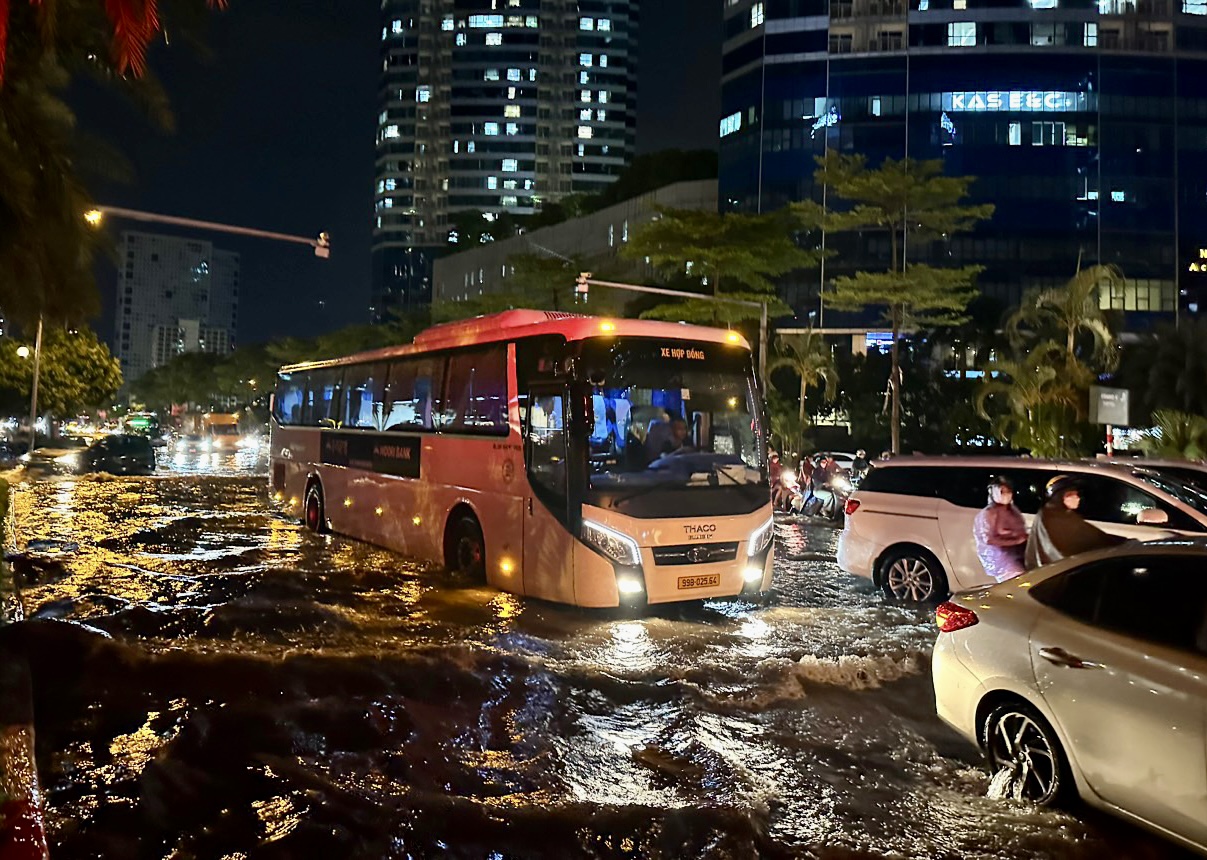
[(548, 562)]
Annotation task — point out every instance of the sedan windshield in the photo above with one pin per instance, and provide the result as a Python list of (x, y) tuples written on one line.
[(1188, 487), (672, 415)]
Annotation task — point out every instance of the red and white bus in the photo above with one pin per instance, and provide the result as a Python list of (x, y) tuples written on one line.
[(571, 458)]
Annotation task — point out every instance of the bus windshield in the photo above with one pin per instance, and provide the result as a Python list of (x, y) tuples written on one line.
[(672, 415)]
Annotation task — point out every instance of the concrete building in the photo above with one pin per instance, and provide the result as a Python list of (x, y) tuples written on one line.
[(596, 238), (492, 106), (174, 295), (1085, 122)]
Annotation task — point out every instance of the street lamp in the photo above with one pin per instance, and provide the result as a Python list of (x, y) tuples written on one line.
[(94, 217)]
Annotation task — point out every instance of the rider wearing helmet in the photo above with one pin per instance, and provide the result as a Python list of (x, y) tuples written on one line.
[(1059, 531), (1000, 532)]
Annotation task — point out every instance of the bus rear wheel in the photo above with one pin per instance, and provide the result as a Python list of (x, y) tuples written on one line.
[(313, 512), (468, 549)]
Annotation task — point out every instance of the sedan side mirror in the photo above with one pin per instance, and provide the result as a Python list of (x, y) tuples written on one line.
[(1152, 517)]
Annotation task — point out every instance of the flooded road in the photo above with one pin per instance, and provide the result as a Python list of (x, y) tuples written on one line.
[(233, 686)]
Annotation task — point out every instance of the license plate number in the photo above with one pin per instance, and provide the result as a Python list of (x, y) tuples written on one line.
[(708, 580)]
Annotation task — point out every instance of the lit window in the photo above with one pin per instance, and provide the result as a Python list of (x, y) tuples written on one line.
[(961, 34), (604, 24), (582, 150), (876, 105), (731, 123), (509, 200), (511, 91), (1091, 34), (624, 232), (492, 182), (959, 4), (470, 146), (528, 184), (509, 184), (531, 21), (756, 14), (532, 74), (494, 38), (586, 23), (460, 38), (513, 128), (514, 75), (601, 116), (388, 203), (585, 114), (485, 21), (390, 132), (584, 132), (385, 34), (490, 129), (511, 110), (1118, 196), (585, 59), (611, 235), (423, 94), (490, 75), (396, 28), (1043, 4), (603, 97), (510, 165), (1016, 134), (603, 61), (585, 96), (456, 146), (1189, 7), (381, 186), (447, 23), (583, 77), (391, 184)]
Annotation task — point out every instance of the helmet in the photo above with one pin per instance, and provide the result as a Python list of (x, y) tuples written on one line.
[(1000, 481), (1060, 485)]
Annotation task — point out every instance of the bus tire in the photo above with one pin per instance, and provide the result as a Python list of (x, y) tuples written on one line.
[(314, 512), (467, 549)]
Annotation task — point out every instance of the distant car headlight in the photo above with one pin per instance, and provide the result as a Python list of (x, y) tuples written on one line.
[(615, 545), (760, 538)]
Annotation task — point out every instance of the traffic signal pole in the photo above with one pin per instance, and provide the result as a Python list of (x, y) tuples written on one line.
[(584, 282)]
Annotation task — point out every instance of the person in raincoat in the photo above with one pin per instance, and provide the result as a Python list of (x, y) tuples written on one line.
[(1059, 531), (1000, 532)]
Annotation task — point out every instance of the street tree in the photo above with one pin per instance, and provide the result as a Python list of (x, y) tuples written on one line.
[(1176, 436), (810, 359), (916, 205), (1167, 368), (76, 371), (731, 256), (1028, 400)]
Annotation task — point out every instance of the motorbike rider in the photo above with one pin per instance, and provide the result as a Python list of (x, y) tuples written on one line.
[(1000, 532), (1059, 531), (860, 465)]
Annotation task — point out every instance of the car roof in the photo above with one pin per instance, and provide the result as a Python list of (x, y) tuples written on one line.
[(1004, 462), (1146, 463)]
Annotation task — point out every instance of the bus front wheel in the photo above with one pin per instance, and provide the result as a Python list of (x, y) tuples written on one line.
[(314, 515), (468, 556)]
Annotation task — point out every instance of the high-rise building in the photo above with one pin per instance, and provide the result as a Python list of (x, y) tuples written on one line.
[(1085, 122), (174, 295), (497, 106)]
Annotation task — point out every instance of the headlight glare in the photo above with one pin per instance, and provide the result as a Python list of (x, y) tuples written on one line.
[(615, 545), (761, 537)]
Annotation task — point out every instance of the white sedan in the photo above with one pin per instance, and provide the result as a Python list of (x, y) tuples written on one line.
[(1089, 677)]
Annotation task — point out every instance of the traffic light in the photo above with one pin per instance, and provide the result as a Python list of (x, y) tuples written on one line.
[(581, 287)]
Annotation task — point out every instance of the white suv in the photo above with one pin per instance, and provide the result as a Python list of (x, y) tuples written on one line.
[(909, 526)]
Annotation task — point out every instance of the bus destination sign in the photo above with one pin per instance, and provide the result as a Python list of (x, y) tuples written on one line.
[(384, 453), (680, 353)]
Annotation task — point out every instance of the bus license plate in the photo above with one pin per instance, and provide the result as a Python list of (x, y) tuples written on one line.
[(707, 580)]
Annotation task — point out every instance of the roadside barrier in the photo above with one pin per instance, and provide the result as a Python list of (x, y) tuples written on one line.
[(22, 826)]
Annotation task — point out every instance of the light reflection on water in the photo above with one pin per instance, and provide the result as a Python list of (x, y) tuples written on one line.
[(332, 688)]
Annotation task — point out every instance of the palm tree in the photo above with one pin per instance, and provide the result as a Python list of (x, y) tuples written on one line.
[(1037, 406), (1176, 436), (1067, 315), (1168, 368), (809, 357), (134, 23)]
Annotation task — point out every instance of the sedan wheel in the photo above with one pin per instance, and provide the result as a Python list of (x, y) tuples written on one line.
[(913, 579), (1025, 758)]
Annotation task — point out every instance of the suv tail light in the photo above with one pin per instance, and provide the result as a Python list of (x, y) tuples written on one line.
[(952, 617), (851, 507)]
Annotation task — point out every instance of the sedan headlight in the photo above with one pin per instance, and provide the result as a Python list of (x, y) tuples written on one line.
[(760, 538), (615, 545)]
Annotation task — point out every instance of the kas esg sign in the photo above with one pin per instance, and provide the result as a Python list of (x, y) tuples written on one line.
[(1017, 100)]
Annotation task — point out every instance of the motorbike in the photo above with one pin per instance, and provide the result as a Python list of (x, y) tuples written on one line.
[(828, 501)]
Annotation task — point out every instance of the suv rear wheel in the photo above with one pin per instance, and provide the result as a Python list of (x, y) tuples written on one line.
[(913, 575)]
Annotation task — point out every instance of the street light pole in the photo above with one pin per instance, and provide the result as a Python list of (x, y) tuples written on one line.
[(33, 397), (321, 243)]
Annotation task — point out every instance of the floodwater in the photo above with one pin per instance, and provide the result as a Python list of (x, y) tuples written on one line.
[(213, 681)]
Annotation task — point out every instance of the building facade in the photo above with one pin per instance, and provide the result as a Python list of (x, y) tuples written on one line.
[(496, 106), (1084, 121), (596, 239), (174, 295)]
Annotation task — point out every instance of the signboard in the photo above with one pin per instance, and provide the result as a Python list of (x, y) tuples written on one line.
[(1108, 405), (1025, 101), (385, 453)]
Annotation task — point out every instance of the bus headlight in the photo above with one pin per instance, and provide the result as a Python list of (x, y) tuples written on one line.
[(615, 545), (760, 538)]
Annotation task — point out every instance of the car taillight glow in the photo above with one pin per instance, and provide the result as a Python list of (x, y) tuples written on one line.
[(852, 506), (952, 617)]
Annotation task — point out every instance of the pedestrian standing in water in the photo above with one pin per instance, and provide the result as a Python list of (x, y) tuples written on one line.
[(1000, 532), (1059, 531)]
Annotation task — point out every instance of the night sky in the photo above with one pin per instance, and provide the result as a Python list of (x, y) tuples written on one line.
[(275, 130)]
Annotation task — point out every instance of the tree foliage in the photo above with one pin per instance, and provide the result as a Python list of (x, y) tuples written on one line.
[(731, 256), (915, 203), (1031, 403), (1167, 369), (811, 360), (1176, 436), (76, 372)]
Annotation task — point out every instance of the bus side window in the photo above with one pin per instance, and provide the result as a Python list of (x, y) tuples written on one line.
[(291, 391), (546, 446)]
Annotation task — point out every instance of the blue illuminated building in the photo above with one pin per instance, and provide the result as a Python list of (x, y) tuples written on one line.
[(1085, 123)]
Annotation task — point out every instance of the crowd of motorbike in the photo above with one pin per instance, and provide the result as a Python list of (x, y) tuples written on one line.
[(819, 487)]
